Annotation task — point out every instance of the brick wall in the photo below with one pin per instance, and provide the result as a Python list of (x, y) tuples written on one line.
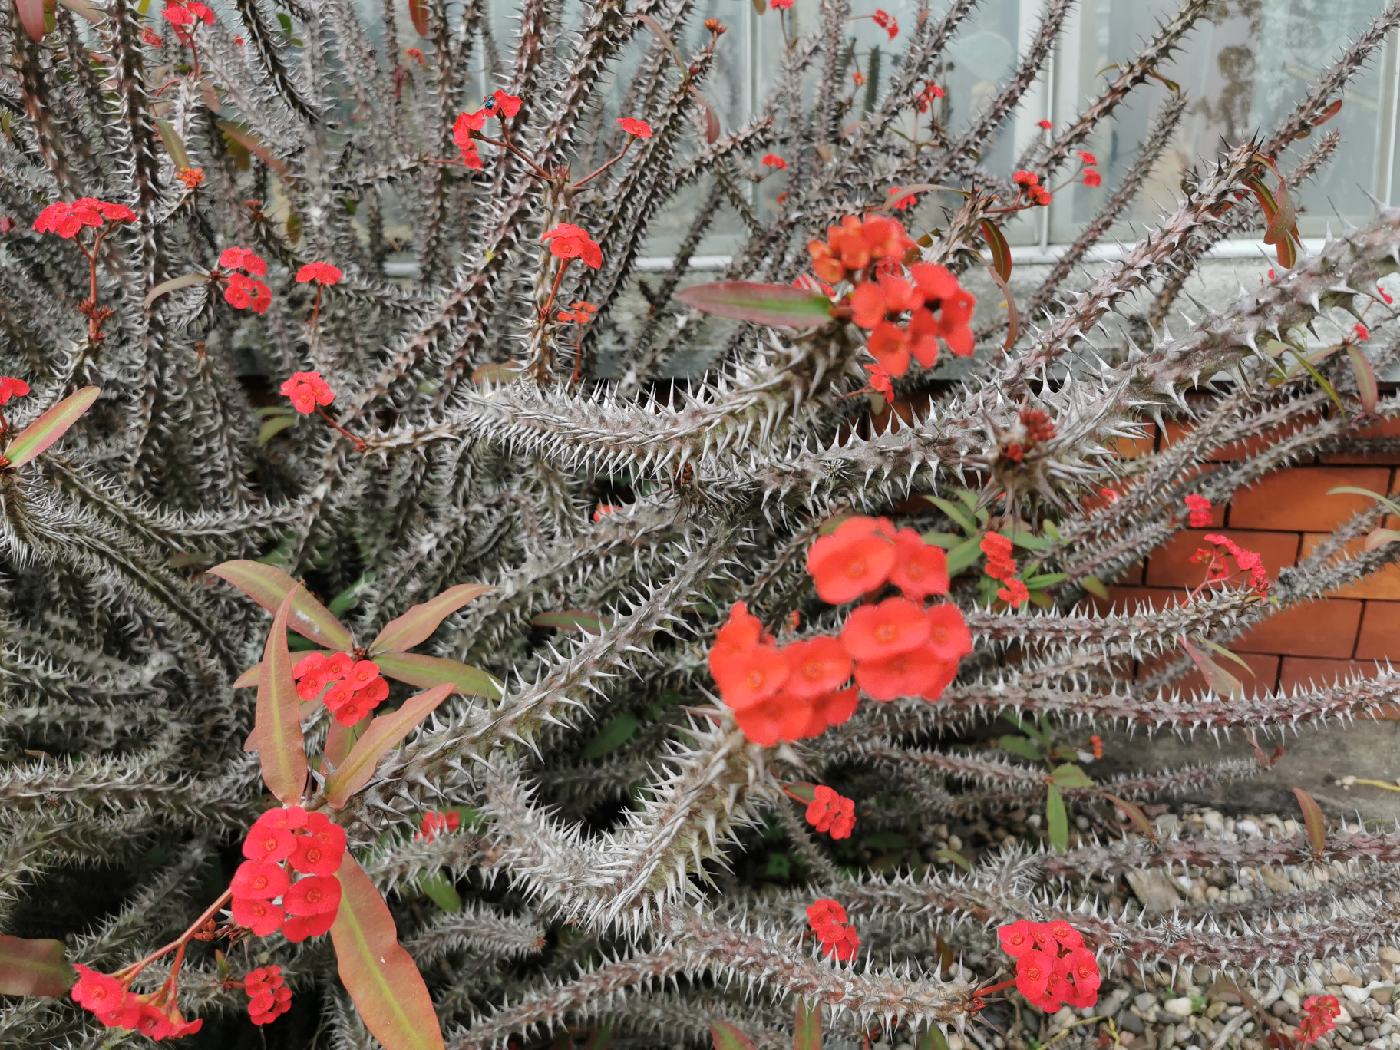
[(1283, 517)]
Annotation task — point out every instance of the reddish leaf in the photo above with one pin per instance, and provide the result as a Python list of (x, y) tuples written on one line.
[(384, 733), (339, 740), (1217, 678), (33, 967), (658, 31), (712, 127), (249, 678), (242, 137), (1367, 384), (418, 12), (385, 985), (426, 671), (1013, 315), (268, 586), (185, 280), (771, 304), (1135, 815), (807, 1026), (1001, 251), (33, 17), (50, 426), (1313, 821), (277, 723), (727, 1037), (419, 623)]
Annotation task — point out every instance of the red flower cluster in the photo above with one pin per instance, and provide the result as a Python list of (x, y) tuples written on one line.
[(192, 178), (772, 160), (638, 129), (580, 313), (244, 291), (67, 218), (780, 5), (306, 390), (835, 932), (1198, 508), (313, 847), (1361, 331), (886, 21), (1036, 429), (268, 995), (1001, 566), (1320, 1013), (415, 53), (1092, 177), (356, 686), (831, 812), (863, 554), (323, 273), (856, 244), (567, 241), (435, 824), (184, 13), (1246, 561), (1044, 125), (901, 648), (1053, 968), (12, 387), (926, 97), (499, 105), (938, 309), (155, 1016), (901, 201), (1031, 188), (881, 382)]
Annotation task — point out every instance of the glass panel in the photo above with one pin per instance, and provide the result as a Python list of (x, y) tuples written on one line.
[(1243, 71)]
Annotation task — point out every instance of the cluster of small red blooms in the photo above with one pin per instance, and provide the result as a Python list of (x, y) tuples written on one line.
[(1320, 1013), (603, 509), (634, 126), (193, 178), (881, 383), (306, 390), (264, 895), (1362, 332), (322, 273), (182, 14), (67, 218), (1053, 968), (268, 995), (499, 105), (1036, 428), (1096, 745), (1198, 508), (580, 313), (150, 37), (780, 5), (567, 241), (901, 201), (856, 244), (356, 686), (244, 291), (938, 309), (1031, 188), (772, 160), (1044, 125), (12, 387), (831, 812), (858, 78), (886, 21), (437, 823), (1386, 297), (1001, 566), (837, 936), (414, 53), (155, 1016), (1091, 168), (1246, 561), (926, 97)]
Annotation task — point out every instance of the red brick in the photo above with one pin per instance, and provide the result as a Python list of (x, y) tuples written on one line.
[(1128, 599), (1380, 632), (1132, 448), (1170, 565), (1384, 583), (1323, 628), (1301, 671), (1264, 666), (1297, 499), (1237, 450)]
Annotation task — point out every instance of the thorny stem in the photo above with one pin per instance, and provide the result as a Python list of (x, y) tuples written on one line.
[(315, 317), (515, 150), (359, 442)]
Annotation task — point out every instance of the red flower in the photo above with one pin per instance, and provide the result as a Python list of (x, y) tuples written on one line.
[(1014, 594), (259, 880), (245, 259), (881, 382), (919, 672), (506, 106), (1088, 158), (415, 53), (67, 218), (462, 137), (1386, 296), (271, 836), (320, 851), (150, 37), (747, 675), (1320, 1013), (434, 824), (857, 243), (853, 560), (902, 201), (948, 636), (306, 390), (298, 928), (639, 129), (831, 812), (106, 997), (780, 5), (262, 917), (920, 569), (12, 387), (1199, 508), (1025, 179), (1092, 178), (269, 997), (322, 273), (781, 716), (247, 293), (567, 241), (877, 632), (1019, 937), (837, 936), (816, 666), (192, 178), (886, 21), (1044, 124), (580, 313), (772, 160), (1362, 332), (312, 895)]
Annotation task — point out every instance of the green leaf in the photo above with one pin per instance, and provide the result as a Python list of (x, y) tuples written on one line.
[(33, 967), (807, 1026), (768, 304), (952, 856), (1069, 775), (348, 598), (1019, 745), (50, 426), (1040, 581), (384, 733), (173, 145), (441, 892), (385, 985), (946, 540), (964, 555), (1237, 660), (185, 280), (268, 586), (612, 736), (727, 1037), (569, 620), (1056, 820), (932, 1040), (1094, 586), (1351, 490), (960, 515), (274, 426), (1313, 821), (276, 735), (1367, 385), (1029, 540), (427, 671), (418, 623)]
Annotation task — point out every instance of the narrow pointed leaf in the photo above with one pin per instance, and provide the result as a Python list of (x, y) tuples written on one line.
[(1217, 678), (277, 722), (427, 671), (727, 1037), (1378, 538), (1134, 814), (383, 734), (1001, 252), (418, 623), (1313, 821), (1367, 385), (50, 426), (32, 18), (268, 586), (339, 740), (382, 979), (185, 280), (33, 967), (418, 13), (249, 677), (1071, 776), (933, 1039), (569, 620), (770, 304), (807, 1026), (173, 144), (1056, 820)]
